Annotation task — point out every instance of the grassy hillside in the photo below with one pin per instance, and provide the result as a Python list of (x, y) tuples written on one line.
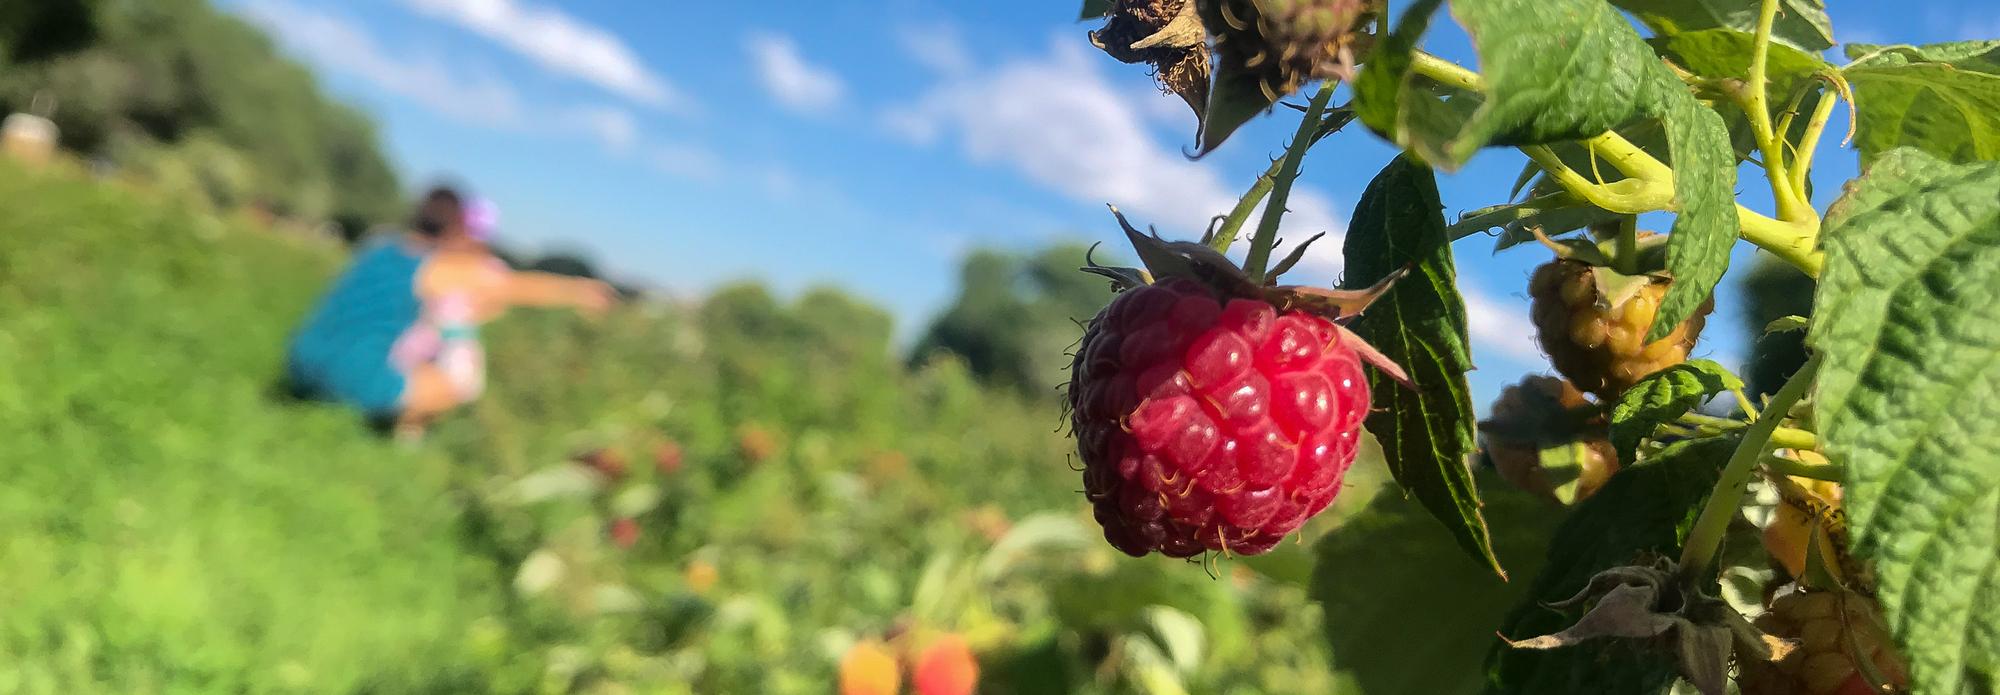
[(170, 526)]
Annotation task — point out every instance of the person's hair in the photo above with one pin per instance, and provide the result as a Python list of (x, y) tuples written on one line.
[(441, 208)]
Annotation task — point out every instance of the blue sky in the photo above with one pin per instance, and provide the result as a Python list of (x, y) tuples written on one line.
[(869, 145)]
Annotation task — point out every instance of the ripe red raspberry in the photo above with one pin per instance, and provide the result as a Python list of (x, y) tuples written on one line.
[(1206, 424)]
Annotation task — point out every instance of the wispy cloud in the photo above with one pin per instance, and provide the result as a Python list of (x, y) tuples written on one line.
[(562, 44), (1501, 327), (464, 96), (938, 46), (788, 78), (339, 44), (1061, 124)]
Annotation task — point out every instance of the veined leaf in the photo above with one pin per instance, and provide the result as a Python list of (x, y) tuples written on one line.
[(1800, 23), (1644, 510), (1705, 199), (1426, 432), (1908, 328), (1663, 396), (1536, 95), (1941, 98)]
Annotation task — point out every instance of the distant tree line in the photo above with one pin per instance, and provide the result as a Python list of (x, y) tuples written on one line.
[(197, 101)]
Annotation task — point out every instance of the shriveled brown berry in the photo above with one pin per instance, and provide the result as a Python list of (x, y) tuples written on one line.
[(1597, 342), (1166, 34), (1829, 629), (1543, 414), (1286, 43)]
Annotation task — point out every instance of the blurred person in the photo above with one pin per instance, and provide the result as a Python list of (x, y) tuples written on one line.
[(397, 336)]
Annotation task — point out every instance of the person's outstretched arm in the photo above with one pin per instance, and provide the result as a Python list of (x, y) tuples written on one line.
[(536, 289)]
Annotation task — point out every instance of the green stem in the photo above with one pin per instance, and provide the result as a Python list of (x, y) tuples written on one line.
[(1446, 72), (1627, 255), (1781, 437), (1800, 469), (1794, 243), (1809, 141), (1755, 100), (1709, 528), (1226, 234), (1281, 187), (1500, 215), (1627, 196)]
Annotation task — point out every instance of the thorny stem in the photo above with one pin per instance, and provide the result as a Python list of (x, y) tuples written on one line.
[(1487, 218), (1281, 188), (1226, 233), (1709, 528)]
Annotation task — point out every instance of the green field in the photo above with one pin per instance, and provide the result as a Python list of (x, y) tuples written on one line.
[(172, 525)]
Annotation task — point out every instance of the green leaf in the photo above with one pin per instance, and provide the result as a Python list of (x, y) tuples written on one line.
[(1726, 53), (1537, 95), (1416, 113), (1663, 396), (1785, 324), (1391, 571), (1908, 328), (1644, 510), (1705, 197), (1800, 23), (1426, 433), (1942, 98), (1094, 9), (1900, 173)]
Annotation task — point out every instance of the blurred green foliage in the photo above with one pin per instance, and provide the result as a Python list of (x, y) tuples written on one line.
[(1774, 290), (197, 102), (174, 526), (1016, 316)]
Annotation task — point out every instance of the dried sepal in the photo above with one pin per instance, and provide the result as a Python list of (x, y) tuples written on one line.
[(1653, 605)]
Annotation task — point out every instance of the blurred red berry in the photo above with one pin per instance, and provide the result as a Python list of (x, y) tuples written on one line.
[(667, 457), (1211, 425), (625, 532), (607, 462), (946, 667)]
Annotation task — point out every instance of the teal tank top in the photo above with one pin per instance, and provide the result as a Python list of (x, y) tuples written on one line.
[(341, 351)]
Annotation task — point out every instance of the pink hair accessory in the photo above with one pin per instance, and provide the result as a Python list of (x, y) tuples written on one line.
[(482, 218)]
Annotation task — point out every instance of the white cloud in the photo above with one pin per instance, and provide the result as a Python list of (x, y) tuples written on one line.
[(1502, 328), (1061, 124), (938, 46), (788, 78), (339, 44), (560, 43), (616, 128)]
